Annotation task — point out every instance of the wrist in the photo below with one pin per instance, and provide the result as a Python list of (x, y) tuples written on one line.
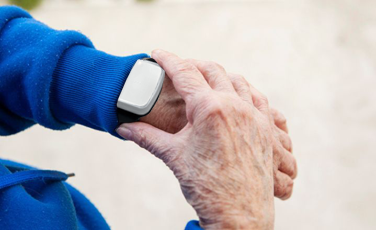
[(236, 211), (238, 223)]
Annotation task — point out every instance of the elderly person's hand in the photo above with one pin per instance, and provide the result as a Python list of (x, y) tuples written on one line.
[(169, 114), (223, 157)]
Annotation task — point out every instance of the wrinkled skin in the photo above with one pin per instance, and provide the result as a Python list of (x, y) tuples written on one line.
[(169, 115), (223, 157), (168, 112)]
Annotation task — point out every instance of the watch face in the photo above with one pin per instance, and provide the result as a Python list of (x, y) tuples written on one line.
[(141, 88)]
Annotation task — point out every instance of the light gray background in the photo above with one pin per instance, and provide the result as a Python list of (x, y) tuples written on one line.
[(316, 61)]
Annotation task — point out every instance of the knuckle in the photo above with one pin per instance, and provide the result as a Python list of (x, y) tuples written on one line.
[(283, 185), (212, 107), (210, 66), (278, 190), (274, 113), (241, 85), (277, 152), (241, 78), (281, 118), (288, 190), (289, 144), (184, 67), (191, 60), (238, 78), (285, 140), (284, 190), (263, 99)]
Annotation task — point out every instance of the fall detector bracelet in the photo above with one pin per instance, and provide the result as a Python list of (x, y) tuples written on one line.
[(140, 91)]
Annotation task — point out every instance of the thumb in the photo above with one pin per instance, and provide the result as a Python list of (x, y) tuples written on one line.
[(154, 140)]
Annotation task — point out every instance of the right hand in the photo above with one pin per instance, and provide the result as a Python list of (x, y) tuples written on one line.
[(169, 114), (285, 167), (223, 157), (284, 163)]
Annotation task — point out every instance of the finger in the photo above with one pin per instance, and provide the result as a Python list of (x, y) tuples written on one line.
[(287, 163), (214, 74), (283, 186), (150, 138), (186, 78), (260, 101), (279, 120), (241, 87), (284, 139)]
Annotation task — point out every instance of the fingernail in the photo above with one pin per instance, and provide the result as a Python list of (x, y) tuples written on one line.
[(124, 132)]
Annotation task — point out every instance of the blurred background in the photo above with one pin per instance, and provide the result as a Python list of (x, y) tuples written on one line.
[(314, 59)]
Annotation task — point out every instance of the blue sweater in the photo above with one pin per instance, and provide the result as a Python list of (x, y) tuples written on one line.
[(56, 79)]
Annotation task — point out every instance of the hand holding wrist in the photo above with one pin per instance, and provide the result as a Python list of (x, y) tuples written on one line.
[(223, 156)]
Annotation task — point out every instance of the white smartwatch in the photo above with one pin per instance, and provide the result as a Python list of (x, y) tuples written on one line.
[(140, 91)]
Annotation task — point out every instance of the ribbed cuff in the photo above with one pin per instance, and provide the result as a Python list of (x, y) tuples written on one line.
[(86, 85)]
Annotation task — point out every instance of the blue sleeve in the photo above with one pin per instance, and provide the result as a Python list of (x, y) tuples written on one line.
[(193, 225), (55, 78)]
